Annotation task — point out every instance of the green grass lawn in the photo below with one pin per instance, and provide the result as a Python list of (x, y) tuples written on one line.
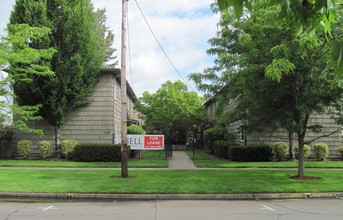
[(149, 163), (230, 164), (167, 181), (210, 161)]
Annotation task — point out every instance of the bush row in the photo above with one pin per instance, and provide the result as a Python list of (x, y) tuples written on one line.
[(253, 153), (263, 152), (221, 148), (90, 152), (86, 152)]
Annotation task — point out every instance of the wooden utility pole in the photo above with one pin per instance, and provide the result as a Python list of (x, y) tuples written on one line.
[(124, 147)]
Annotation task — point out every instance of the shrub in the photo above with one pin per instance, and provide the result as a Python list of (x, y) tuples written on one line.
[(222, 148), (321, 151), (24, 148), (215, 133), (6, 132), (252, 153), (135, 129), (45, 149), (90, 152), (281, 150), (341, 150), (67, 147), (307, 151)]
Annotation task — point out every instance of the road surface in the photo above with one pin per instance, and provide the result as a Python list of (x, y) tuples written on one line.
[(177, 209)]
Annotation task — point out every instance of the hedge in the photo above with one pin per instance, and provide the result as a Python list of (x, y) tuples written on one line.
[(252, 153), (91, 152), (222, 148)]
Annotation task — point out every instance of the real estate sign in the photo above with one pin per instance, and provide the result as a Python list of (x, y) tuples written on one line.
[(143, 142)]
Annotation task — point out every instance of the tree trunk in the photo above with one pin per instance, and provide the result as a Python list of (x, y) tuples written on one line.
[(291, 146), (301, 156), (57, 141)]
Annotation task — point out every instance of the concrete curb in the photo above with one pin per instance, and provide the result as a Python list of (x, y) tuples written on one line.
[(133, 197)]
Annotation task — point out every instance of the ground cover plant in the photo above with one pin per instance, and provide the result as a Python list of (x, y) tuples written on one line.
[(167, 181)]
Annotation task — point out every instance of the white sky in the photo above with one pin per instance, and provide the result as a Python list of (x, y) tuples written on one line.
[(183, 28)]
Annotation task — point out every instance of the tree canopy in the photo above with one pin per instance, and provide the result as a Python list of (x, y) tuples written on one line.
[(172, 107), (14, 49), (304, 15), (275, 77), (82, 42)]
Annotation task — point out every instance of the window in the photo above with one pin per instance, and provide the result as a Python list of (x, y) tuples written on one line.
[(242, 137)]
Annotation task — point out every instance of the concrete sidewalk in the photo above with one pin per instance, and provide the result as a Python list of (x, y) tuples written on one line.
[(181, 161)]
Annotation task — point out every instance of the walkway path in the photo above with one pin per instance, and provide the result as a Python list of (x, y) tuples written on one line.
[(181, 160)]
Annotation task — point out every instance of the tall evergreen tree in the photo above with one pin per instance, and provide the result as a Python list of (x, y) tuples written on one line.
[(82, 43)]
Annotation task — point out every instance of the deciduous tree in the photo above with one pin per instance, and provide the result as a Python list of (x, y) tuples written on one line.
[(296, 86), (301, 15), (82, 43), (170, 108), (15, 49)]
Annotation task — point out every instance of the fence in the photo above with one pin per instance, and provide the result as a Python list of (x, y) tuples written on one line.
[(201, 151), (152, 154)]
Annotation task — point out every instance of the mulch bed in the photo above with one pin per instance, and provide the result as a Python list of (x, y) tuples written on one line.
[(305, 178)]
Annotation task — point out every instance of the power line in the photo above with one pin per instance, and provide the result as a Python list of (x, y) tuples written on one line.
[(164, 52)]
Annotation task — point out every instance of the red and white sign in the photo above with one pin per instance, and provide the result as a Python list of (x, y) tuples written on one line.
[(154, 141), (143, 142)]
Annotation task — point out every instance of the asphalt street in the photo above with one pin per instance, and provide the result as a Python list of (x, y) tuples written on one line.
[(177, 209)]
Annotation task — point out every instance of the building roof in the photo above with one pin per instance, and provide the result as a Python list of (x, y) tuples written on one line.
[(116, 72)]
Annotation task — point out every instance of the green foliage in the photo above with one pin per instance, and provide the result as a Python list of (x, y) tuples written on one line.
[(340, 149), (252, 153), (278, 68), (300, 87), (91, 152), (29, 62), (281, 150), (6, 132), (172, 107), (67, 147), (307, 151), (26, 113), (82, 43), (221, 148), (24, 148), (135, 129), (45, 149), (321, 151), (302, 16), (215, 133)]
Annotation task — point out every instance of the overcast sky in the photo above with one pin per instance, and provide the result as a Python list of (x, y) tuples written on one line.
[(183, 28)]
